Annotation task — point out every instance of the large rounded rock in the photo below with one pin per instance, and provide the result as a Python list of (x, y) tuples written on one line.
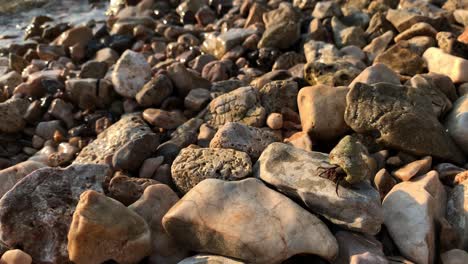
[(193, 165), (35, 215), (230, 219), (457, 123), (104, 229), (322, 109), (298, 174), (402, 118), (131, 72)]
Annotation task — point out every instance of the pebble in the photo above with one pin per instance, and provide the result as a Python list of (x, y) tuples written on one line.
[(413, 169), (16, 256), (275, 121), (150, 166), (130, 73)]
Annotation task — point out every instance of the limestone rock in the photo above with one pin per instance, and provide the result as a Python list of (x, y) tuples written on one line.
[(410, 210), (104, 229), (404, 118), (130, 73), (250, 140), (241, 105), (227, 210), (336, 72), (219, 45), (193, 165), (152, 206), (296, 173), (36, 214)]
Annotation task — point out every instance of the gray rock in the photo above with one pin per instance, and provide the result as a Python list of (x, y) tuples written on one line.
[(336, 72), (440, 103), (457, 123), (251, 140), (203, 214), (194, 165), (10, 80), (454, 256), (404, 118), (197, 99), (11, 114), (185, 80), (359, 249), (10, 176), (130, 73), (36, 214), (324, 9), (297, 173), (378, 45), (155, 91), (93, 69), (164, 119), (345, 36), (241, 105), (46, 129), (457, 215)]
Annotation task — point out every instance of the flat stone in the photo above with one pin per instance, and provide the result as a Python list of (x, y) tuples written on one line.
[(296, 173), (10, 80), (404, 118), (130, 73), (410, 211), (375, 74), (414, 169), (101, 151), (11, 114), (443, 63), (104, 229), (194, 165), (211, 204), (47, 129), (240, 105), (93, 69), (403, 19), (152, 206), (321, 109), (11, 175), (248, 139), (324, 9), (457, 212), (36, 214), (359, 249), (277, 95), (197, 99)]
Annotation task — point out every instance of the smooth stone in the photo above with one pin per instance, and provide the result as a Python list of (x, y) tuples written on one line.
[(275, 121), (346, 36), (11, 114), (205, 136), (315, 50), (240, 105), (403, 19), (197, 99), (296, 173), (164, 119), (107, 55), (128, 190), (454, 256), (410, 211), (149, 167), (152, 206), (457, 211), (11, 175), (411, 127), (248, 139), (104, 229), (155, 91), (210, 259), (130, 74), (77, 35), (204, 212), (276, 95), (321, 109), (185, 80), (461, 16), (456, 123), (130, 127), (62, 111), (47, 129), (36, 214), (15, 256), (359, 249), (443, 63), (324, 9), (414, 169), (384, 182), (194, 165), (375, 74)]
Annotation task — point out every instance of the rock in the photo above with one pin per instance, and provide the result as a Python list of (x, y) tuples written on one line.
[(128, 190), (10, 176), (287, 60), (457, 214), (461, 16), (324, 9), (240, 105), (93, 69), (10, 80), (16, 256), (150, 166), (77, 35), (360, 249), (457, 123), (396, 57), (89, 93), (275, 121), (410, 211), (207, 207), (194, 165), (414, 169), (281, 35), (107, 55), (384, 182), (352, 156), (17, 63), (155, 91), (319, 50), (336, 72), (454, 256), (104, 229), (464, 36), (35, 215), (403, 19), (276, 95), (251, 140), (216, 71), (47, 129), (63, 111), (375, 74), (399, 127), (185, 80), (378, 45), (418, 29), (152, 206), (220, 45), (322, 108), (210, 259), (448, 43), (129, 128), (130, 73), (345, 36), (200, 61), (11, 114), (300, 140), (197, 99), (164, 119), (443, 63), (297, 173)]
